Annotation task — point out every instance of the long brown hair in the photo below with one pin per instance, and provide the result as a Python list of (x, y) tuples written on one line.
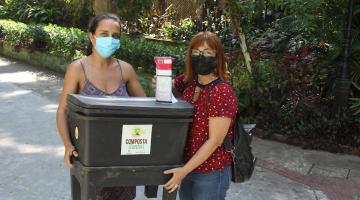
[(214, 43)]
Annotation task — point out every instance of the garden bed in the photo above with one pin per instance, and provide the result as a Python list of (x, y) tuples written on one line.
[(36, 58)]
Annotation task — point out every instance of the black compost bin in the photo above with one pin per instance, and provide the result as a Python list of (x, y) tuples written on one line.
[(125, 141)]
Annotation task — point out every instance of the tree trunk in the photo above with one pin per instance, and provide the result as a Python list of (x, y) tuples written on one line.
[(343, 80), (234, 12), (161, 5), (244, 50)]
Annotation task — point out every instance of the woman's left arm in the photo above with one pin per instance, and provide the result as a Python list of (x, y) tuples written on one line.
[(133, 85), (218, 128), (222, 107)]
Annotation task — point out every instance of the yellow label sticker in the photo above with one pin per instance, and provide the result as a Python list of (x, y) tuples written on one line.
[(76, 133)]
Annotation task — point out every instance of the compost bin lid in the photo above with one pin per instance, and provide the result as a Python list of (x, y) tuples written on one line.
[(140, 106)]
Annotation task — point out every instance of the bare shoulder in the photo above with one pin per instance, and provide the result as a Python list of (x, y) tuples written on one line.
[(127, 69), (126, 66), (74, 68)]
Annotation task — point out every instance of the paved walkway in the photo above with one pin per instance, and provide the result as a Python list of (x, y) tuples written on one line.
[(31, 152)]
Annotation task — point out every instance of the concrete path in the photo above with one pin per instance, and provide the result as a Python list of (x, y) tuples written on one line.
[(31, 152)]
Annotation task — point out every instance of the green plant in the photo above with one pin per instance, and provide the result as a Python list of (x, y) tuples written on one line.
[(355, 102), (75, 13), (140, 52), (14, 33), (56, 40), (355, 105), (181, 32), (2, 35), (40, 11), (130, 10), (145, 80), (66, 13), (38, 38), (307, 122), (355, 46), (66, 41), (260, 90), (71, 43)]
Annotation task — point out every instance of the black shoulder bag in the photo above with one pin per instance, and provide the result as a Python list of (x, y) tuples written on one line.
[(240, 148), (243, 160)]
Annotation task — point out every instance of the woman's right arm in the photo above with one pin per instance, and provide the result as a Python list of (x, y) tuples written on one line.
[(70, 86)]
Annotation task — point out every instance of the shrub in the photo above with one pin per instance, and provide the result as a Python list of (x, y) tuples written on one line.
[(40, 11), (71, 43), (58, 41), (306, 120), (257, 91), (19, 35), (140, 52), (13, 33), (38, 38), (63, 13), (130, 10), (68, 42), (181, 32)]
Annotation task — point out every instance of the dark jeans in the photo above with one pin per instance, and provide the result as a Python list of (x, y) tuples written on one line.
[(205, 186)]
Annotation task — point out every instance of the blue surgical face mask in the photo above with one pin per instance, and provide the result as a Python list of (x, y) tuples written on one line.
[(106, 46)]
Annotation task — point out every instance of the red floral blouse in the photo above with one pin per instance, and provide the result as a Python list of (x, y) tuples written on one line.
[(221, 102)]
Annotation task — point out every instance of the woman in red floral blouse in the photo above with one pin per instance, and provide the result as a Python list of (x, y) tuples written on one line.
[(206, 173)]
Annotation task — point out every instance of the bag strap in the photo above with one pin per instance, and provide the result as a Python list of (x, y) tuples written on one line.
[(227, 143), (240, 136), (214, 83)]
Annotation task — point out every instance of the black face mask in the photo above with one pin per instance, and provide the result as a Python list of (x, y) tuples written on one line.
[(203, 65)]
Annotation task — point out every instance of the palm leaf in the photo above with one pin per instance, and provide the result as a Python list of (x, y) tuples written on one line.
[(356, 86), (355, 105)]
